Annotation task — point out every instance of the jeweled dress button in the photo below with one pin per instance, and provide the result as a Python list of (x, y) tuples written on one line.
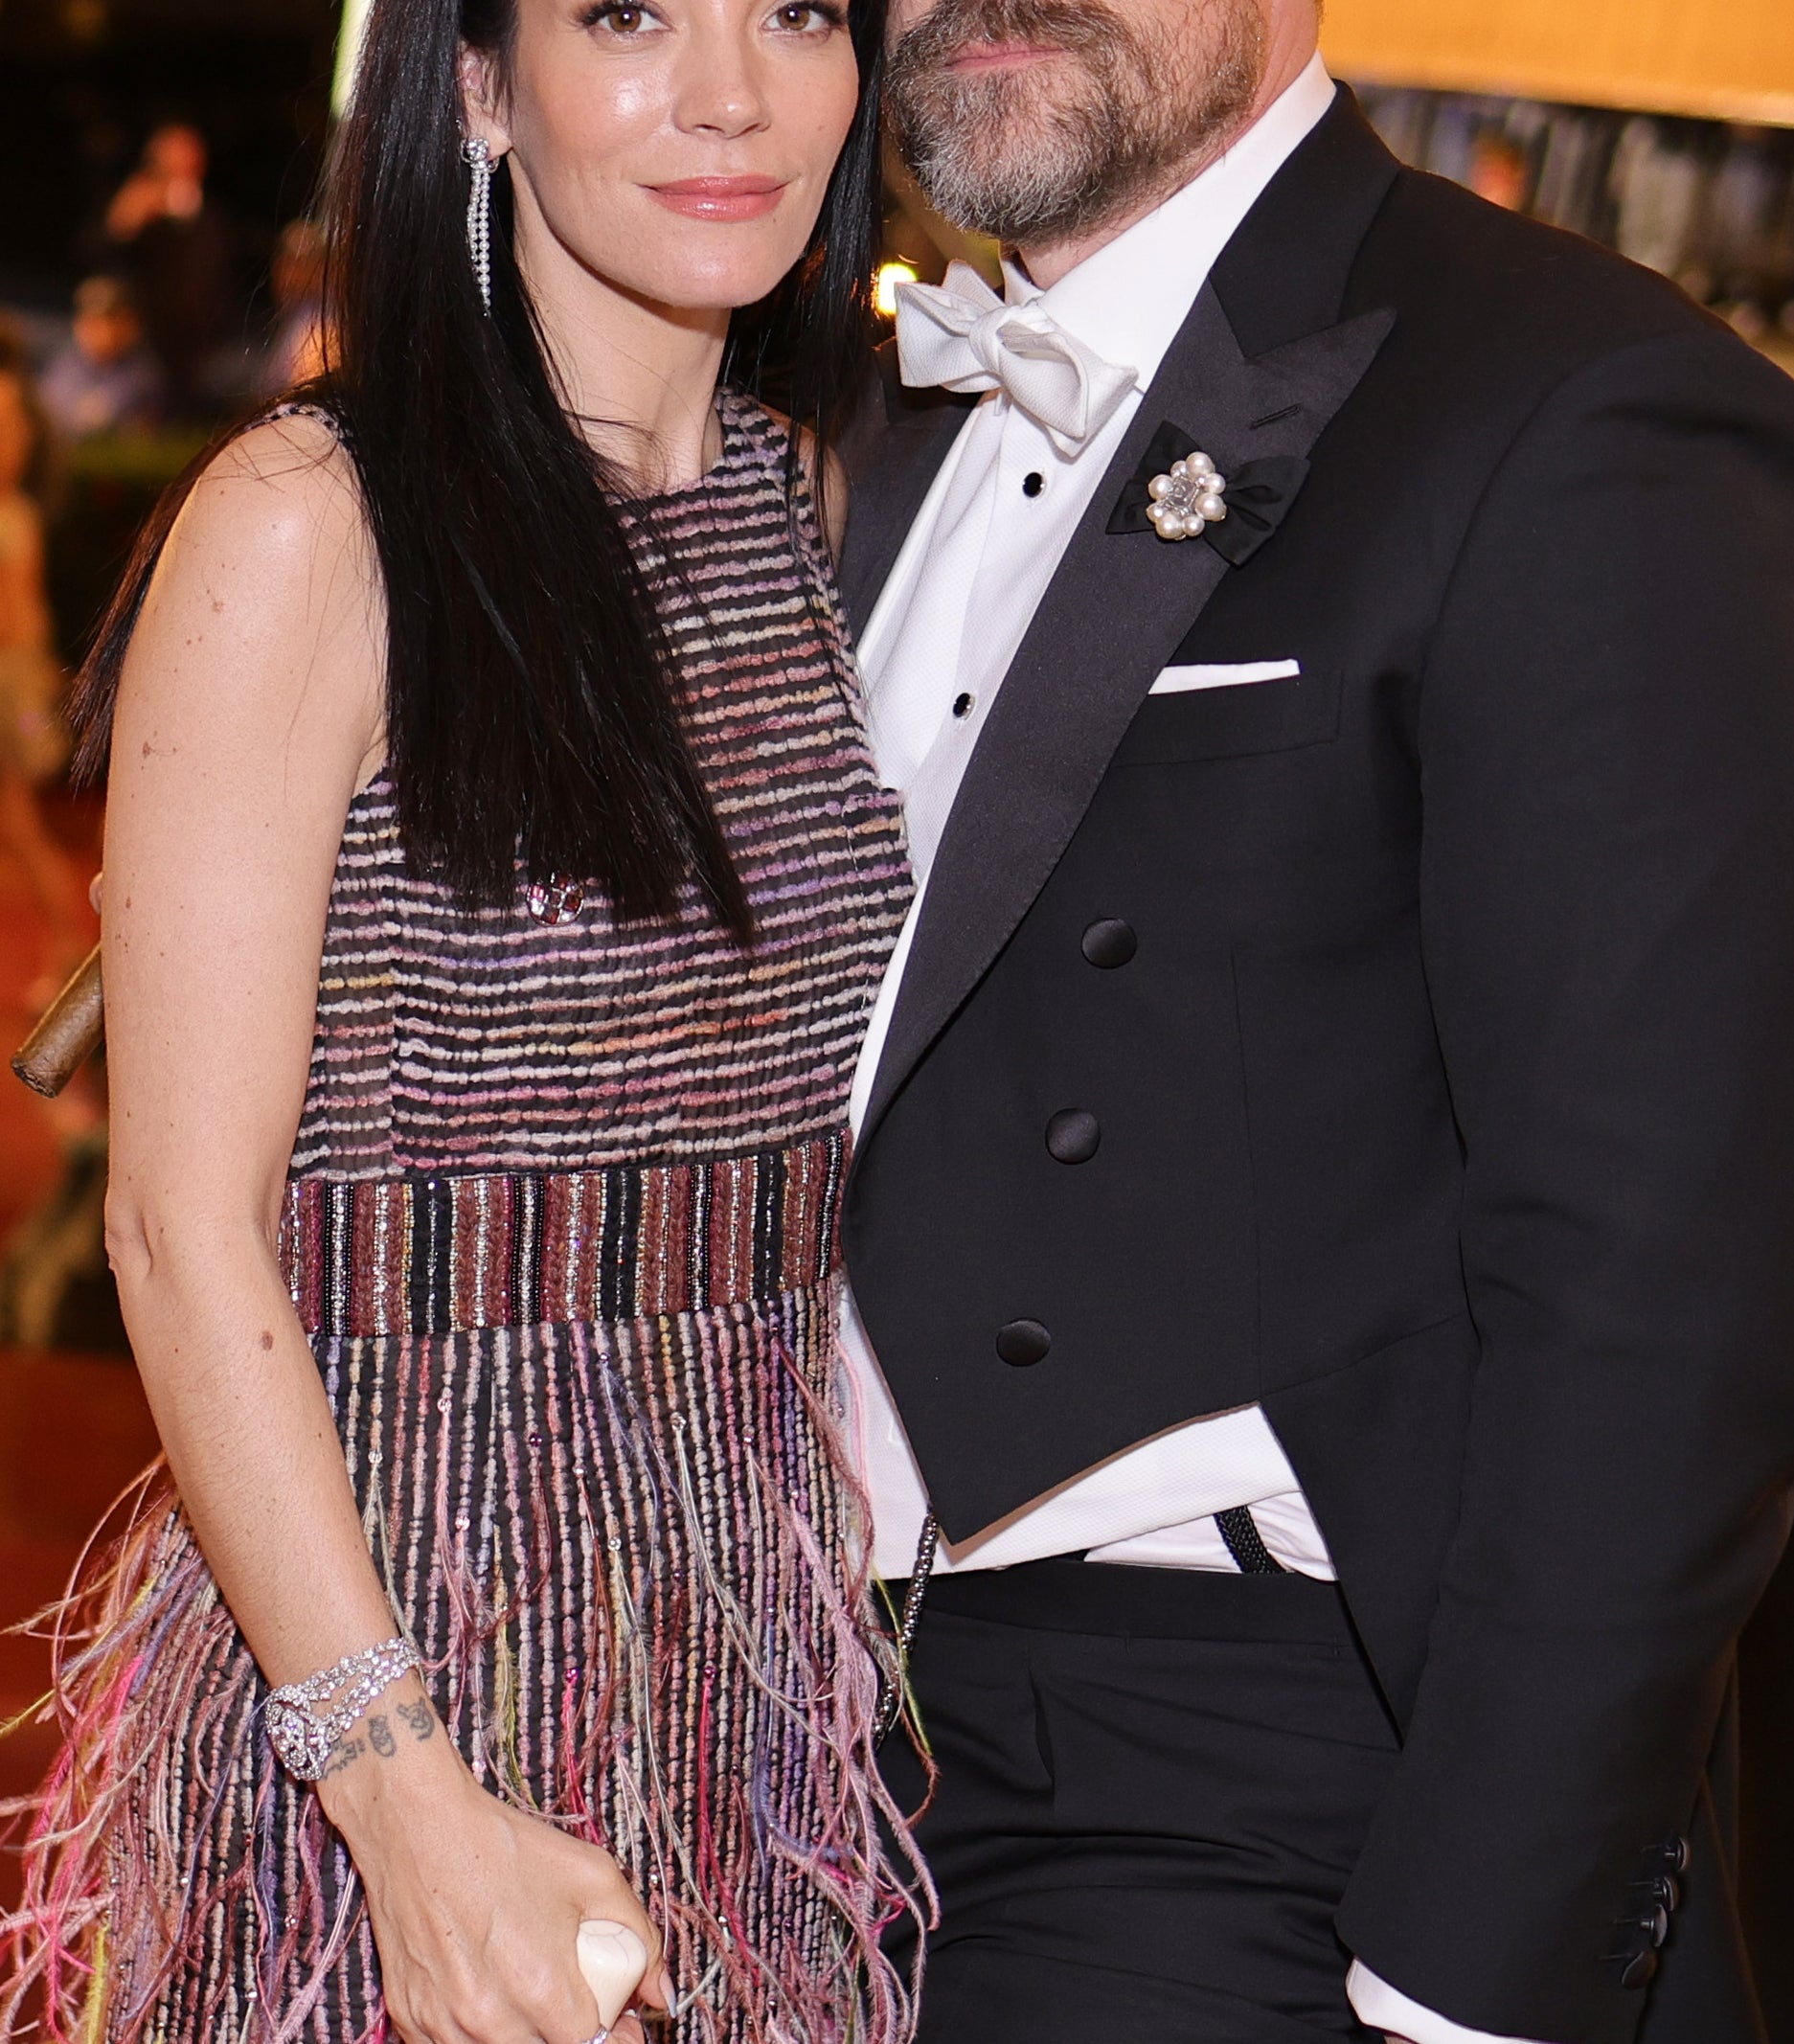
[(556, 901)]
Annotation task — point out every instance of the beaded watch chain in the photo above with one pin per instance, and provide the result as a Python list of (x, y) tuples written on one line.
[(896, 1683)]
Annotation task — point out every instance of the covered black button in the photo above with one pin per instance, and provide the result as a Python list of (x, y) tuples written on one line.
[(1023, 1344), (1075, 1136), (1655, 1924), (1666, 1890), (1673, 1853), (1639, 1971), (1110, 942)]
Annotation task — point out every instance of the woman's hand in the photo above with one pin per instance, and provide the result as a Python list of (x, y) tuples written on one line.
[(476, 1907)]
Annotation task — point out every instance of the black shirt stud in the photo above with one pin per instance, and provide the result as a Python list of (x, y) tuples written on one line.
[(1110, 944), (1075, 1136), (1023, 1344)]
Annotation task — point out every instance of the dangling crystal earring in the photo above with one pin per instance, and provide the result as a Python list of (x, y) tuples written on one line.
[(478, 157)]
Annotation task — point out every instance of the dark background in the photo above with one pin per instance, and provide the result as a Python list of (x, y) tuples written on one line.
[(84, 82)]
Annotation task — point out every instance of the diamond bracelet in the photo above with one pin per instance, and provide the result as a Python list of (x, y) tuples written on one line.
[(303, 1737)]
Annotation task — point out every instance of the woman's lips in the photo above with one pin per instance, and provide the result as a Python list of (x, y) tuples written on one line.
[(721, 199)]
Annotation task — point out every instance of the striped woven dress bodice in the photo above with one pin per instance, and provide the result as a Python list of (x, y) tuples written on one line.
[(501, 1042)]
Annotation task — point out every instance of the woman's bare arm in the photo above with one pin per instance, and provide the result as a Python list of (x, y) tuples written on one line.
[(249, 711)]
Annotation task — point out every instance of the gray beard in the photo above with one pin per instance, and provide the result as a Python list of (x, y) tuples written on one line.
[(996, 157)]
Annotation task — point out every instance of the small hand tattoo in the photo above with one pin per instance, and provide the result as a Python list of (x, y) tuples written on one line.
[(380, 1738), (420, 1717), (344, 1754)]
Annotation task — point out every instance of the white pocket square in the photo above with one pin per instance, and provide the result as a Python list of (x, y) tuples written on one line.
[(1176, 681)]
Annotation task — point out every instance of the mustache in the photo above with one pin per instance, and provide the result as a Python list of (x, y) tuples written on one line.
[(1080, 26)]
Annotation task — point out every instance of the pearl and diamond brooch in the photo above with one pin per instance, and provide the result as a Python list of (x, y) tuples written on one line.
[(1190, 499)]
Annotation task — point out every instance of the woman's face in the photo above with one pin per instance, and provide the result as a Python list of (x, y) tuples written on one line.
[(678, 150)]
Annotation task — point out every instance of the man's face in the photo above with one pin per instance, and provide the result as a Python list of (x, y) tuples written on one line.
[(1035, 121)]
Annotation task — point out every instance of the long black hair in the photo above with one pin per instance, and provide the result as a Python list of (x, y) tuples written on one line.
[(531, 711)]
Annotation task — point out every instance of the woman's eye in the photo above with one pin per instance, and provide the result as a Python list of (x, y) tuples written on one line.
[(807, 17), (620, 17)]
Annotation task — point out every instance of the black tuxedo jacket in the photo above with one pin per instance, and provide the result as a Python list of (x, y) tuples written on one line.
[(1444, 1103)]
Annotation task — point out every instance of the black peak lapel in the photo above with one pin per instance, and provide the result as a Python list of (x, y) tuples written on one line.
[(1113, 616), (1284, 273), (889, 471)]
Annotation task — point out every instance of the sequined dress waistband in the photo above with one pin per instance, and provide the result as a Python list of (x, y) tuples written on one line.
[(442, 1254)]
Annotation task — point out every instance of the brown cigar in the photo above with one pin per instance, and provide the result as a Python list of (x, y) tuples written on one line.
[(71, 1032)]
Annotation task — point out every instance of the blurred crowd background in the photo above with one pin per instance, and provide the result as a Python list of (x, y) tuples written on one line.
[(161, 274)]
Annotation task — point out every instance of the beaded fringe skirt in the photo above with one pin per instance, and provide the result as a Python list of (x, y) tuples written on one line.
[(589, 1424)]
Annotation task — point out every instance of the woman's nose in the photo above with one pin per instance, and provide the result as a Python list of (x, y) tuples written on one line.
[(722, 92)]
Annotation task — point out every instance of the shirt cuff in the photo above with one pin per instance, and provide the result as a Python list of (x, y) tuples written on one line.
[(1381, 2007)]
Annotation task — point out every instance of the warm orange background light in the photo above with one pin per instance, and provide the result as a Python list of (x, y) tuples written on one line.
[(1727, 59)]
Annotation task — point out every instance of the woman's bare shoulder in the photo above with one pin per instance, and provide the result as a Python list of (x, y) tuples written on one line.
[(276, 521), (268, 590), (284, 486)]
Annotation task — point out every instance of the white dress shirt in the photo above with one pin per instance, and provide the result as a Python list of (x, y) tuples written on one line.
[(961, 595)]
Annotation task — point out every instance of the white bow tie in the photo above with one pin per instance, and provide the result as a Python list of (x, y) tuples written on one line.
[(962, 336)]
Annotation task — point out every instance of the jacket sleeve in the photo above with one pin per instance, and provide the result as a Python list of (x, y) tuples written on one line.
[(1606, 745)]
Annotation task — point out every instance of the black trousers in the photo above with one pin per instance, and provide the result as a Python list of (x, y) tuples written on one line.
[(1154, 1786)]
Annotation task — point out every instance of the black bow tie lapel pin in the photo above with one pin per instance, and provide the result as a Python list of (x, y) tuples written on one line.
[(1179, 492)]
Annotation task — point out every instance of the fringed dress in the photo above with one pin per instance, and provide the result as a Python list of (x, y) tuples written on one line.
[(561, 1227)]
